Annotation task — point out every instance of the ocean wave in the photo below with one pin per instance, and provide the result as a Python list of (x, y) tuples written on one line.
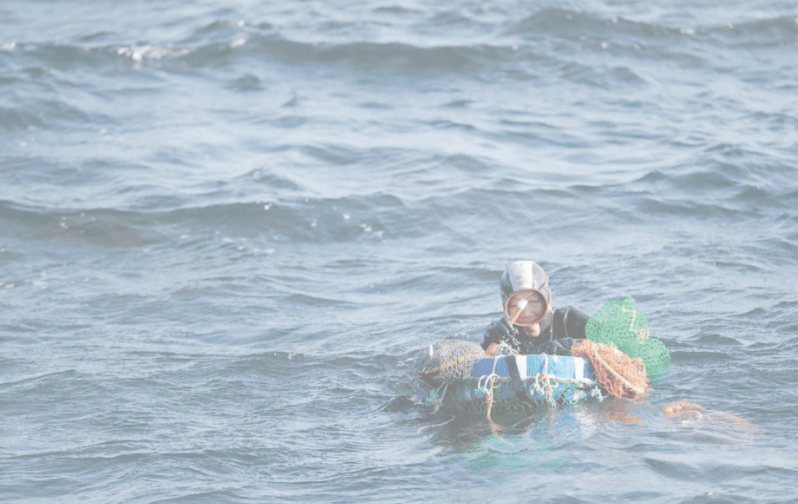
[(266, 203), (19, 119), (273, 364), (94, 227), (403, 57), (43, 114), (774, 32), (59, 55), (719, 180), (293, 221), (316, 221), (223, 41), (580, 25), (688, 207), (396, 55), (159, 218)]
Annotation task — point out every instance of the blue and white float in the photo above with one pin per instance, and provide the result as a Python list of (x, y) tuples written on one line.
[(514, 383)]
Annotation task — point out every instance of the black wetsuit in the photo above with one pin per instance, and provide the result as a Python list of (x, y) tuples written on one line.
[(567, 325)]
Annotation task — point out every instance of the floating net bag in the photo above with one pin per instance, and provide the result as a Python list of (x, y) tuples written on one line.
[(448, 361), (619, 374), (622, 324), (700, 424)]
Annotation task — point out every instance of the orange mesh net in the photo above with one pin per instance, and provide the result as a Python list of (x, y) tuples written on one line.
[(714, 426), (680, 408), (619, 374)]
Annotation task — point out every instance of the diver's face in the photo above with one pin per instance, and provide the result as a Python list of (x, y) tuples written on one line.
[(533, 331)]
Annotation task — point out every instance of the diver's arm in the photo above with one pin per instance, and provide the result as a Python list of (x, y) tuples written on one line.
[(500, 331), (569, 323), (567, 327)]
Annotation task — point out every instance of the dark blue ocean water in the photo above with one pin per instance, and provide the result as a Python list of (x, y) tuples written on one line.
[(227, 227)]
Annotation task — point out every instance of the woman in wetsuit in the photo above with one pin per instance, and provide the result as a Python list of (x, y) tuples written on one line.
[(529, 324)]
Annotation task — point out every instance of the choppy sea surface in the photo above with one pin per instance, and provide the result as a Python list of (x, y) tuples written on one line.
[(226, 228)]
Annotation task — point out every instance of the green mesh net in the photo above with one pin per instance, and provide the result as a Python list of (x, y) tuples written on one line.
[(623, 324)]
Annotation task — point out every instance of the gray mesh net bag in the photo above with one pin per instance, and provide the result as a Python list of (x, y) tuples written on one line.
[(448, 361)]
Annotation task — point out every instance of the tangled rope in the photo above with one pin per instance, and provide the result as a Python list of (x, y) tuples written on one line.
[(618, 373), (545, 377), (489, 393)]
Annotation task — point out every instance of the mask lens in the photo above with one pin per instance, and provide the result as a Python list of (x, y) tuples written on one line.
[(526, 307)]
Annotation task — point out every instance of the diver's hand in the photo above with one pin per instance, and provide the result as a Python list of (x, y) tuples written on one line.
[(500, 331), (561, 346)]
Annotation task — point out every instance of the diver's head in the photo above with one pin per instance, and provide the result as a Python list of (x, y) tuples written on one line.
[(526, 296)]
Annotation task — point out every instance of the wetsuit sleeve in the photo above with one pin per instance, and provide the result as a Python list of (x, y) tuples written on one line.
[(569, 323), (561, 346), (500, 331)]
